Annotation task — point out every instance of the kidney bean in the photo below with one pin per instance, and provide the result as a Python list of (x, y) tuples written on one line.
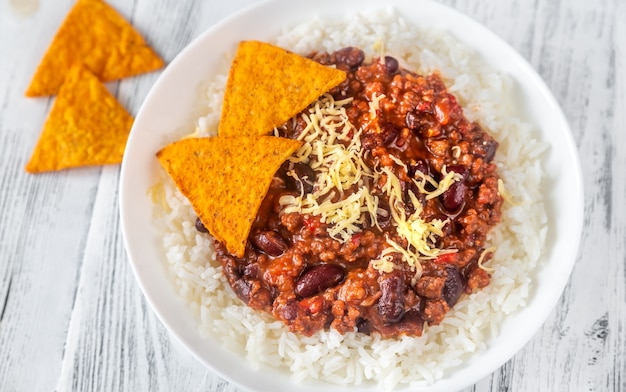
[(407, 189), (322, 58), (231, 269), (369, 141), (389, 133), (453, 286), (412, 120), (270, 242), (423, 167), (318, 278), (391, 65), (487, 149), (384, 221), (419, 165), (200, 226), (460, 169), (290, 310), (453, 199), (252, 270), (307, 178), (242, 288), (364, 326), (413, 318), (352, 57), (391, 302)]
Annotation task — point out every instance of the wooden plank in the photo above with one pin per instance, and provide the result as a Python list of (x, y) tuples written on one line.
[(114, 342), (42, 223), (579, 346)]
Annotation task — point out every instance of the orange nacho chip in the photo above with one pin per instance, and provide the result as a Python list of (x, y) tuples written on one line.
[(225, 179), (95, 34), (86, 126), (268, 85)]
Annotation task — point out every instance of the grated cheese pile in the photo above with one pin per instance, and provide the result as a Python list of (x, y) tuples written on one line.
[(342, 196), (338, 167)]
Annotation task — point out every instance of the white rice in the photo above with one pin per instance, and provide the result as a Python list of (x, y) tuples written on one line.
[(354, 358)]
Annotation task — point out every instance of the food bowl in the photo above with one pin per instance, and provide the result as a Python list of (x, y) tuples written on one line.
[(172, 109)]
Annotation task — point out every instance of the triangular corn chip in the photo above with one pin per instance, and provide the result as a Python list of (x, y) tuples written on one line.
[(86, 126), (268, 85), (225, 179), (96, 35)]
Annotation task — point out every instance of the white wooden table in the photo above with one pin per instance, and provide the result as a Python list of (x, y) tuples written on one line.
[(72, 317)]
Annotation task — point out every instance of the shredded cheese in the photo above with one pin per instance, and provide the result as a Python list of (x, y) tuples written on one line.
[(440, 187), (333, 150), (482, 258), (456, 152), (419, 234), (374, 105), (505, 195), (448, 179), (341, 195), (385, 262)]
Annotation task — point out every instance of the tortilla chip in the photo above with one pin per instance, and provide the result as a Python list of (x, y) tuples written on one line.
[(86, 126), (225, 179), (95, 34), (268, 85)]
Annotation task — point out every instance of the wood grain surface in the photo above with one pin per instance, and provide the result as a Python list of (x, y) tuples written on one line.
[(72, 317)]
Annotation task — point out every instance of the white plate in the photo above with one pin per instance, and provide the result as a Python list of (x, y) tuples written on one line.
[(168, 108)]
